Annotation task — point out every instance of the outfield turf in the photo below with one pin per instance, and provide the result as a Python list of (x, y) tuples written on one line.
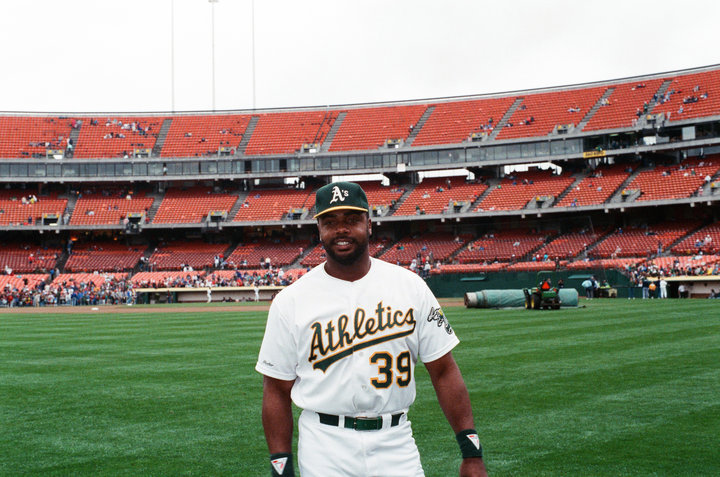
[(620, 388)]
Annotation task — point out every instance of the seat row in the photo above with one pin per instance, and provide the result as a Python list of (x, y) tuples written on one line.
[(536, 114)]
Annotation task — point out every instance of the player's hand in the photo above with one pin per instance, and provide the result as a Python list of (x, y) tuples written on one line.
[(473, 467)]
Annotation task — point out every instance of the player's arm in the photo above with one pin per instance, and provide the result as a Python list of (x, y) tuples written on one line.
[(277, 415), (454, 400)]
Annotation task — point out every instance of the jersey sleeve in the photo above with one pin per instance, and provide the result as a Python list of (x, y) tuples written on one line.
[(436, 336), (278, 352)]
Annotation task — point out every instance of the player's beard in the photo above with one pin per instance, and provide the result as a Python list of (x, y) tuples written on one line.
[(359, 251)]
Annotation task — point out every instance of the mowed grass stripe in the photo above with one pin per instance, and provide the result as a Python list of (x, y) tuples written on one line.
[(604, 390)]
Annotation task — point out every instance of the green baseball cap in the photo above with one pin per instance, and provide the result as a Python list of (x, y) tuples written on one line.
[(340, 195)]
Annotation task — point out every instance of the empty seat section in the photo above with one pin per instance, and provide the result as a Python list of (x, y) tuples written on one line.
[(455, 121), (691, 96), (253, 254), (108, 137), (80, 279), (19, 207), (274, 204), (103, 256), (604, 264), (682, 264), (370, 128), (502, 246), (177, 255), (433, 246), (705, 240), (641, 242), (516, 190), (379, 195), (192, 205), (621, 109), (567, 245), (598, 187), (21, 258), (437, 195), (27, 280), (31, 137), (674, 182), (540, 113), (196, 135), (285, 133), (166, 279), (109, 207)]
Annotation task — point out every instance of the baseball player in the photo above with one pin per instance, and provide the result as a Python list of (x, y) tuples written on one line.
[(342, 343)]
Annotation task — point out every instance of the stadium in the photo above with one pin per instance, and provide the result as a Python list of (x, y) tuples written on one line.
[(620, 176), (197, 219)]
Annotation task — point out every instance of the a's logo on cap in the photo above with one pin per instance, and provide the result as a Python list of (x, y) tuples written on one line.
[(338, 194)]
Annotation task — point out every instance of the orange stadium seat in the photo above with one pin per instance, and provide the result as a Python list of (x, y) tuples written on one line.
[(192, 205), (274, 204), (501, 246), (598, 187), (705, 240), (641, 242), (453, 122), (280, 253), (204, 135), (540, 113), (103, 256), (437, 195), (285, 133), (370, 128), (515, 191), (116, 136), (14, 212), (27, 259), (704, 87), (108, 207), (621, 108), (174, 255), (674, 182), (31, 137)]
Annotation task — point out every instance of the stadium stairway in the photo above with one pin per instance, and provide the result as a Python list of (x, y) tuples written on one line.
[(506, 117), (247, 134), (578, 179), (660, 93), (593, 110), (160, 142), (408, 189), (242, 195), (616, 197), (74, 135), (325, 147), (667, 251), (419, 125), (157, 200), (492, 184), (71, 203), (707, 187)]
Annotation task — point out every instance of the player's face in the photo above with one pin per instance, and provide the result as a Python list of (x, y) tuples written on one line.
[(345, 234)]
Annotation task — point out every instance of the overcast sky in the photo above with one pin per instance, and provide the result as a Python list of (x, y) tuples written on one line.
[(117, 55)]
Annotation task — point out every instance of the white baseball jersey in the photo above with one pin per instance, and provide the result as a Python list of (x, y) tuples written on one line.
[(351, 347)]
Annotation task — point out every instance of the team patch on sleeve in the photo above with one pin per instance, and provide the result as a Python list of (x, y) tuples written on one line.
[(436, 314)]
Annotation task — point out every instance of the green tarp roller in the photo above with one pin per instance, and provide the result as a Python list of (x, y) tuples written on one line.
[(512, 298)]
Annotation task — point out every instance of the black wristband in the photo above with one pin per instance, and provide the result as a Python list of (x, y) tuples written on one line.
[(281, 465), (469, 443)]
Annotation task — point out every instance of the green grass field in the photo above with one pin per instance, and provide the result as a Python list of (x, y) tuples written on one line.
[(620, 388)]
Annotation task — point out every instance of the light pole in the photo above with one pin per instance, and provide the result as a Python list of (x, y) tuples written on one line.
[(213, 2), (252, 14), (172, 55)]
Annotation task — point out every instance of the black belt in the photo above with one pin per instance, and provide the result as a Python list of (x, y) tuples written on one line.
[(359, 423)]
